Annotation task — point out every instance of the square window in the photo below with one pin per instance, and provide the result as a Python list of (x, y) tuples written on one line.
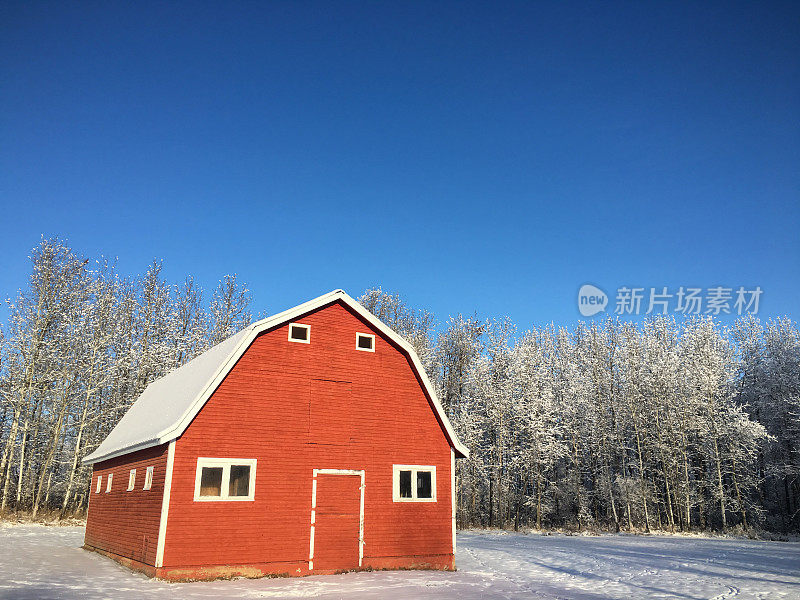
[(365, 342), (148, 479), (108, 484), (211, 481), (300, 333), (131, 479), (405, 484), (424, 484), (239, 484), (225, 479), (414, 483)]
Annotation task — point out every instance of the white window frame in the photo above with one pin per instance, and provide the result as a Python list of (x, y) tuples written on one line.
[(131, 479), (308, 333), (108, 485), (367, 335), (226, 464), (148, 479), (414, 470), (99, 484)]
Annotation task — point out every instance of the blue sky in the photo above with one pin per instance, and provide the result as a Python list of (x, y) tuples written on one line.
[(487, 157)]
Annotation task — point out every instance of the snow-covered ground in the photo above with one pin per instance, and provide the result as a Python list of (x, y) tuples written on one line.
[(39, 562)]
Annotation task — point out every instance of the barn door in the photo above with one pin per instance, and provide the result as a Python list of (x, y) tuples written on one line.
[(337, 524)]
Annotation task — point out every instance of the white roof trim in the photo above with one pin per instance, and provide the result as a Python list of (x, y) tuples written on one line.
[(111, 448)]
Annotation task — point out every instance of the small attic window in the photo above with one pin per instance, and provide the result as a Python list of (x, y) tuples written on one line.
[(148, 478), (99, 484), (365, 342), (131, 479), (300, 333), (108, 485)]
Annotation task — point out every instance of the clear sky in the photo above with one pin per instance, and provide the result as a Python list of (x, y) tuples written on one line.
[(488, 157)]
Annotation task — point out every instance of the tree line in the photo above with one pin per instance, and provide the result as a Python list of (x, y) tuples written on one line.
[(81, 343), (665, 424), (669, 425)]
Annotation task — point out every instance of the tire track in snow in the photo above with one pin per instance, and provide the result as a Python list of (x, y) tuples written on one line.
[(527, 587), (732, 591)]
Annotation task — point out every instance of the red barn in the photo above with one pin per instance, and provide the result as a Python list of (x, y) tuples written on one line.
[(310, 442)]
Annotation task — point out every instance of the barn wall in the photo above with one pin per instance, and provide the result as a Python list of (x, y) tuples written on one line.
[(296, 407), (122, 522)]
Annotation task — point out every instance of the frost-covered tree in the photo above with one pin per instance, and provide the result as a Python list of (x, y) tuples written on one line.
[(542, 440), (229, 311), (414, 325), (80, 345), (661, 425)]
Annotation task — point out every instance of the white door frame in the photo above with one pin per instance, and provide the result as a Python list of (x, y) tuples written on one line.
[(361, 473)]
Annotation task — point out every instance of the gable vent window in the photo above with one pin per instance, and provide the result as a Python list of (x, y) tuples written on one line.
[(365, 342), (300, 333), (148, 478), (221, 479), (131, 479), (414, 483)]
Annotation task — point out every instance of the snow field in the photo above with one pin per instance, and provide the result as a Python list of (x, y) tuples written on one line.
[(41, 563)]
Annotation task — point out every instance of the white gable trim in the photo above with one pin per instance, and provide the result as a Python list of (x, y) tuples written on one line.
[(175, 430)]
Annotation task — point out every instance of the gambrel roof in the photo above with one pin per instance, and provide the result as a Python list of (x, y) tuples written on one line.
[(167, 406)]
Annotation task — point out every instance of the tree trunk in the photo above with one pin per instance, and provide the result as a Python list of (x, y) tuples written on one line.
[(611, 496), (720, 490), (75, 454), (538, 497), (49, 458), (738, 495), (578, 499), (8, 457), (22, 458), (688, 512), (670, 517), (641, 482)]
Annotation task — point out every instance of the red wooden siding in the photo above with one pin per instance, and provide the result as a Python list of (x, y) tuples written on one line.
[(126, 522), (332, 418), (297, 407)]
